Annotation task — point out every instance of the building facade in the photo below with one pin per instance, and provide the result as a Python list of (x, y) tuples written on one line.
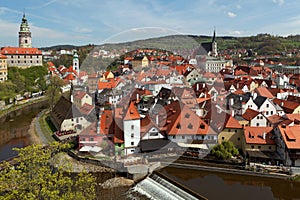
[(3, 68)]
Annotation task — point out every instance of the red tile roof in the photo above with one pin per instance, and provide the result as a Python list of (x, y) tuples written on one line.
[(287, 106), (20, 51), (232, 123), (250, 114), (254, 135), (86, 109), (263, 91), (111, 83), (79, 95), (291, 136), (131, 113), (3, 56)]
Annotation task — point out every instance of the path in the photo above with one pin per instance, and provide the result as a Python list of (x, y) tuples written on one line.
[(38, 129)]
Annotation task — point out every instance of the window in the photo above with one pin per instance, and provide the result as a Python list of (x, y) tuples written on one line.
[(238, 139), (257, 124), (271, 112), (132, 143), (190, 126), (235, 130), (267, 105), (259, 147), (270, 147), (132, 135), (91, 139), (187, 115), (267, 113), (82, 139), (257, 117), (153, 134), (223, 138), (132, 127), (229, 130), (183, 137), (252, 147)]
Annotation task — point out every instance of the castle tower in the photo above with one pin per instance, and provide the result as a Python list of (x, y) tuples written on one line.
[(24, 34), (214, 51), (76, 62)]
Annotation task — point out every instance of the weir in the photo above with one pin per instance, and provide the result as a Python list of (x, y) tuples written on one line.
[(157, 187)]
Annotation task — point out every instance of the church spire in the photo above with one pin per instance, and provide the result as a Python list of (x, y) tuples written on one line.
[(214, 36)]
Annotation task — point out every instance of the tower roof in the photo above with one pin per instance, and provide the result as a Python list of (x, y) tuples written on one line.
[(214, 36)]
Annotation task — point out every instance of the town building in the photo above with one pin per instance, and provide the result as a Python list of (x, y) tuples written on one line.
[(25, 55), (3, 68)]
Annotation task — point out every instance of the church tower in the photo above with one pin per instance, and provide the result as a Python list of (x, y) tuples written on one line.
[(214, 50), (24, 34), (76, 62)]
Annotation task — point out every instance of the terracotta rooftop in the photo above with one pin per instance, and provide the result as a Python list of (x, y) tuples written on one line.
[(20, 51), (291, 136), (131, 113), (250, 114), (255, 135)]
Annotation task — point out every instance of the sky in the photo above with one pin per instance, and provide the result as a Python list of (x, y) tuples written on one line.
[(81, 22)]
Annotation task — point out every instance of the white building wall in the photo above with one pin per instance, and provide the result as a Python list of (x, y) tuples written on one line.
[(131, 135)]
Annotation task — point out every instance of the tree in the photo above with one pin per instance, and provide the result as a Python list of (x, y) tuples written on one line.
[(225, 150), (40, 173), (54, 90)]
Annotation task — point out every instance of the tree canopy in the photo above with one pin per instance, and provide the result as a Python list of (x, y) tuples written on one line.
[(39, 173), (225, 150)]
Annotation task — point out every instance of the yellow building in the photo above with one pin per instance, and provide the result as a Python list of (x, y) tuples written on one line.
[(3, 68), (232, 131), (145, 62), (259, 145)]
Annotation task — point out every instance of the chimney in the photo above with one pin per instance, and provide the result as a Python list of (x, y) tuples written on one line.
[(197, 86), (231, 101), (281, 103), (232, 113), (156, 119), (264, 135), (137, 96)]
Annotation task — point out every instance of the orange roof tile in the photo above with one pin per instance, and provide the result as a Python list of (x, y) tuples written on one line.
[(250, 114), (291, 136), (131, 113), (20, 51), (79, 95), (263, 91), (232, 123), (254, 135)]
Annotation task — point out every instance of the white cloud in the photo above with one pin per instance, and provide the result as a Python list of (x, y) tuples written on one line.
[(231, 14), (238, 6), (279, 2)]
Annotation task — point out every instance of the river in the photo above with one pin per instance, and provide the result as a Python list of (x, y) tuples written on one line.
[(14, 129), (213, 185)]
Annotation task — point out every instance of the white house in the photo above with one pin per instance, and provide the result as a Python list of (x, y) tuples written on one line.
[(265, 105)]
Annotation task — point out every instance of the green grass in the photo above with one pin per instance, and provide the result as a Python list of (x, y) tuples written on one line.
[(46, 129)]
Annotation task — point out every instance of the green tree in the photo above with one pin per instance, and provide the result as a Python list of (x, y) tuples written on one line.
[(41, 173), (54, 90), (225, 150)]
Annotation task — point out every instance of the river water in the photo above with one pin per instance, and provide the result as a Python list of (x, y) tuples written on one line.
[(14, 129), (214, 185)]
